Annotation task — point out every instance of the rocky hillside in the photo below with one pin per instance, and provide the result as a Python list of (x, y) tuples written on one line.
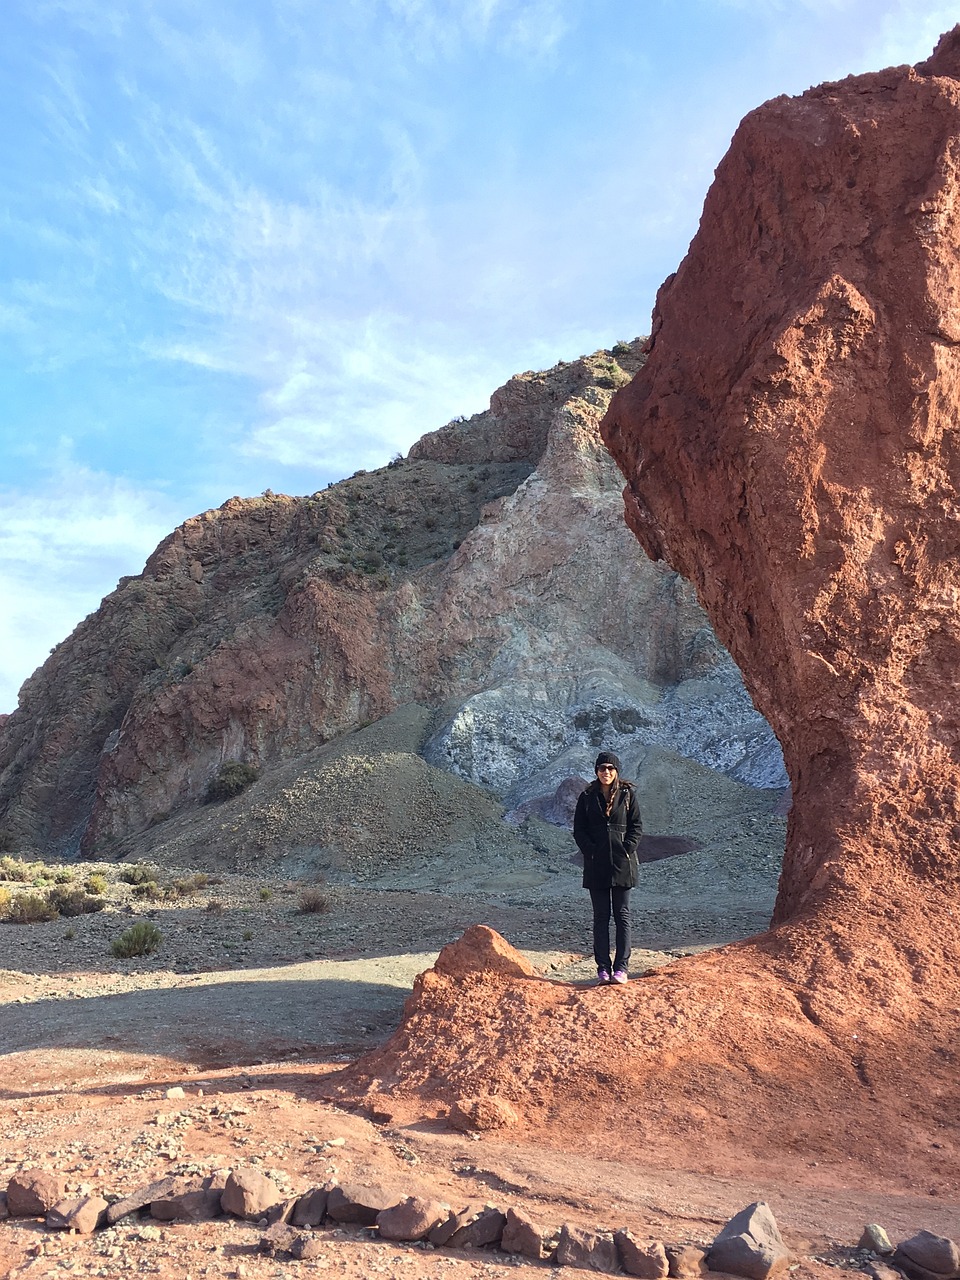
[(486, 583)]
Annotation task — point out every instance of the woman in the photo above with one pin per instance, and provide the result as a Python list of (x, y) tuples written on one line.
[(607, 828)]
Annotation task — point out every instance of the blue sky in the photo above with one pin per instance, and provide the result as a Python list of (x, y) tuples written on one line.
[(251, 244)]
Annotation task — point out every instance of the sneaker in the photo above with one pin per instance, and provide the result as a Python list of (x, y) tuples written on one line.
[(619, 975), (603, 977)]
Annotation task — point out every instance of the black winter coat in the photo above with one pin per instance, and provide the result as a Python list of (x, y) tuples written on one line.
[(608, 845)]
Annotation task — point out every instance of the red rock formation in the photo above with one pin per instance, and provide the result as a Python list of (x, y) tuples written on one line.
[(793, 446)]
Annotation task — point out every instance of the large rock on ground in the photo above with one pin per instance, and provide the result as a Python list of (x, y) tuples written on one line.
[(750, 1245), (31, 1193)]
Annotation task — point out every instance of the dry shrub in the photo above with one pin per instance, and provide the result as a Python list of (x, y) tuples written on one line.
[(314, 902), (75, 901), (190, 884), (139, 873), (31, 908)]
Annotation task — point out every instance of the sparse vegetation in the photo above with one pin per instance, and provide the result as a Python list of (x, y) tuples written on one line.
[(215, 907), (62, 875), (18, 870), (138, 873), (148, 889), (190, 885), (233, 777), (31, 908), (141, 939), (4, 901), (74, 901), (97, 883), (266, 894), (314, 902)]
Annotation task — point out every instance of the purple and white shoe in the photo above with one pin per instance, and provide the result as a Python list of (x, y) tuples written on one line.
[(619, 975), (603, 977)]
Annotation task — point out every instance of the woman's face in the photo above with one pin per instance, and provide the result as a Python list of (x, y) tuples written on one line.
[(607, 775)]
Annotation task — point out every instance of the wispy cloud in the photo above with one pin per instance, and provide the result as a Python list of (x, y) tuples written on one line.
[(296, 236), (58, 546)]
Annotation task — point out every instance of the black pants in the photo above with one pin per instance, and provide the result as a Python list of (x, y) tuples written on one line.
[(605, 902)]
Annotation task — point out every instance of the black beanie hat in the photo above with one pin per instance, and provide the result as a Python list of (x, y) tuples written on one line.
[(607, 757)]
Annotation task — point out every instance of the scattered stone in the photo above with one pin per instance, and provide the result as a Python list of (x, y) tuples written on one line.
[(881, 1270), (522, 1235), (32, 1192), (175, 1092), (278, 1241), (750, 1245), (591, 1250), (412, 1219), (249, 1194), (83, 1214), (280, 1212), (486, 1112), (875, 1239), (140, 1199), (686, 1261), (485, 1229), (444, 1230), (189, 1203), (311, 1209), (307, 1248), (359, 1202), (642, 1258), (926, 1256)]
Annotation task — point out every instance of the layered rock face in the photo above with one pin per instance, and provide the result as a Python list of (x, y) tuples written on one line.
[(792, 447), (488, 576)]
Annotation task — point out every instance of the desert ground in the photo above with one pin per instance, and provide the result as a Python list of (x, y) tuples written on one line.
[(251, 1005)]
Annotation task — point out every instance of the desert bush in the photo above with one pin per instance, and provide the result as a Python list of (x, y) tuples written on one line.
[(190, 884), (215, 907), (137, 873), (4, 901), (314, 902), (266, 894), (247, 935), (63, 875), (141, 939), (31, 908), (74, 901), (232, 778), (148, 889), (622, 349), (96, 882), (17, 870)]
